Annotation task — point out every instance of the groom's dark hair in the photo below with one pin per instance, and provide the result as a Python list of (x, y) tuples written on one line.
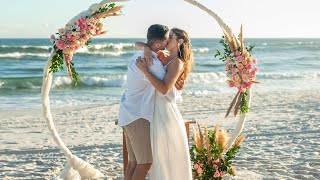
[(157, 32)]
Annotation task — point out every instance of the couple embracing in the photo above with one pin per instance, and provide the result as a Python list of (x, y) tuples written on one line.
[(154, 128)]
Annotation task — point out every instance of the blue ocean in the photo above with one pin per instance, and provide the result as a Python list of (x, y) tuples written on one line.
[(285, 65)]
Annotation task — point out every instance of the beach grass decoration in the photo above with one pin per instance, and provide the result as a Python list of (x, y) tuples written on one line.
[(209, 156), (76, 34)]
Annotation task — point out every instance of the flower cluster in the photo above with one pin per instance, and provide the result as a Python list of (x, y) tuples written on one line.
[(209, 156), (77, 34), (241, 70), (239, 65)]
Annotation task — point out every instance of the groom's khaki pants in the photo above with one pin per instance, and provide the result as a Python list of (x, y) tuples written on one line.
[(138, 142)]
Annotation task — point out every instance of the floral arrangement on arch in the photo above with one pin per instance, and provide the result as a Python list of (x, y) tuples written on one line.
[(209, 156), (77, 34), (241, 70)]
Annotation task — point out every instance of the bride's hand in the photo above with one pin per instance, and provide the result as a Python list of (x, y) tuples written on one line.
[(142, 65)]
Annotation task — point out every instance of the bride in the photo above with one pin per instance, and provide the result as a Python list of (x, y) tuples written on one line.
[(171, 159)]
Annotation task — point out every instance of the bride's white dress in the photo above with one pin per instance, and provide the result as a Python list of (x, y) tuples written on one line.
[(170, 150)]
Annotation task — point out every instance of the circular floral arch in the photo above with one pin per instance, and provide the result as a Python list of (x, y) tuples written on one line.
[(78, 33)]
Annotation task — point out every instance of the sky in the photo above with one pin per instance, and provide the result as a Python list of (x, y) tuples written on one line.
[(260, 18)]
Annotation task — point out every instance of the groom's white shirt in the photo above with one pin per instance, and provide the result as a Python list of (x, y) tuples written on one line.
[(139, 96)]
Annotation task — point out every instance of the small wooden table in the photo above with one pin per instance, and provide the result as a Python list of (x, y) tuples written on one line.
[(124, 145)]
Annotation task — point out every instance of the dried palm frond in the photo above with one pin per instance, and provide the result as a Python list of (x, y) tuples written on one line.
[(200, 136), (242, 47), (239, 140), (222, 140)]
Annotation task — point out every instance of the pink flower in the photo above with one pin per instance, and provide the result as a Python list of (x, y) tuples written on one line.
[(83, 26), (228, 59), (239, 58), (227, 63), (222, 173), (69, 35), (83, 31), (196, 166), (255, 61), (76, 23), (238, 53), (256, 69), (62, 31), (240, 66), (249, 66), (245, 78), (77, 47), (200, 171), (231, 84), (234, 70), (85, 37), (60, 45), (82, 19), (216, 174)]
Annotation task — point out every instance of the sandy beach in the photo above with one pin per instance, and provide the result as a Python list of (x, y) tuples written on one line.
[(283, 132)]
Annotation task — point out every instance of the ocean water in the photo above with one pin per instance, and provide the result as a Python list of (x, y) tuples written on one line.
[(285, 65)]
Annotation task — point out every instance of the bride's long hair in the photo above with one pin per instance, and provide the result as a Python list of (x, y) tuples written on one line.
[(184, 53)]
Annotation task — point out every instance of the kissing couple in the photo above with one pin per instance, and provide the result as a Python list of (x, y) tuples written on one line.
[(153, 126)]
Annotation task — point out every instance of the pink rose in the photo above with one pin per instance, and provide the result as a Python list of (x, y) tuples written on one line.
[(256, 69), (200, 171), (222, 173), (255, 61), (60, 45), (83, 26), (249, 66), (216, 174), (238, 53), (196, 166), (239, 58)]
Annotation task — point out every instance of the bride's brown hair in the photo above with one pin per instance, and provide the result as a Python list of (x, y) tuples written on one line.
[(184, 53)]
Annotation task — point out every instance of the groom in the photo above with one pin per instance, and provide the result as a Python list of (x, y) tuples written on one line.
[(137, 105)]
